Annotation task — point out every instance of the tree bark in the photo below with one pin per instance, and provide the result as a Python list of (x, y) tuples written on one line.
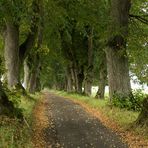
[(6, 106), (11, 55), (117, 60), (89, 70), (102, 79), (34, 81), (26, 73), (69, 80), (80, 77), (88, 81), (143, 116)]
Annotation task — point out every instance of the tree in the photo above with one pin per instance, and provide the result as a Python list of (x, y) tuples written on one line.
[(90, 61), (102, 75), (117, 60), (15, 54)]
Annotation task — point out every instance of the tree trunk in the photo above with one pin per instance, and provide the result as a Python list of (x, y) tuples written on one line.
[(32, 82), (143, 117), (102, 79), (88, 81), (6, 107), (89, 71), (79, 77), (26, 74), (11, 38), (69, 80), (117, 60), (80, 82), (34, 75)]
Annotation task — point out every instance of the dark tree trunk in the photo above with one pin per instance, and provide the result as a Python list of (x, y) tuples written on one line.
[(34, 82), (143, 117), (102, 79), (80, 82), (6, 107), (11, 38), (89, 71), (69, 80), (88, 81), (117, 60), (79, 77)]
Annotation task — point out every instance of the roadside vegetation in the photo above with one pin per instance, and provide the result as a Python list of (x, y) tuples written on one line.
[(121, 115), (17, 132)]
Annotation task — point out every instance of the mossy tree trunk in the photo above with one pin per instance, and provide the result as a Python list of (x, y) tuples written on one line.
[(34, 82), (117, 60)]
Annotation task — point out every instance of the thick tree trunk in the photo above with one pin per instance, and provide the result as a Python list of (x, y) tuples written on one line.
[(117, 60), (89, 71), (118, 74), (11, 38)]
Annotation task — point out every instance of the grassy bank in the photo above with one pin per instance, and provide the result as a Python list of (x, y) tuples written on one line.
[(15, 133)]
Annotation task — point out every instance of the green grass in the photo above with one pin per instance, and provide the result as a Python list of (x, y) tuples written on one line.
[(122, 116), (15, 133)]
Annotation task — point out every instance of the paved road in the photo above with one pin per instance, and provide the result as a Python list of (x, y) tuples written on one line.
[(75, 128)]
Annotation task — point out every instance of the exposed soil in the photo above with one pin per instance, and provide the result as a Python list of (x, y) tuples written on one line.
[(62, 123)]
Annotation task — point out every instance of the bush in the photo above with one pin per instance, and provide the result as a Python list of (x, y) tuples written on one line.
[(134, 102)]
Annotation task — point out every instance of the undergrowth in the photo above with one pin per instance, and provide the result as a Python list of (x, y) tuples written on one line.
[(14, 132)]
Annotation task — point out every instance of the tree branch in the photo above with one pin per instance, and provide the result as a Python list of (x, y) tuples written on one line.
[(28, 44), (140, 18)]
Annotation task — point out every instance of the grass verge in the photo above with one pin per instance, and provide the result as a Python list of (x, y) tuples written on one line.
[(15, 133)]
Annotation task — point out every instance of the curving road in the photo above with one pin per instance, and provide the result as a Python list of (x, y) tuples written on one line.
[(75, 128)]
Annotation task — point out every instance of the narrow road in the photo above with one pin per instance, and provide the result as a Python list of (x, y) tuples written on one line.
[(75, 128)]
